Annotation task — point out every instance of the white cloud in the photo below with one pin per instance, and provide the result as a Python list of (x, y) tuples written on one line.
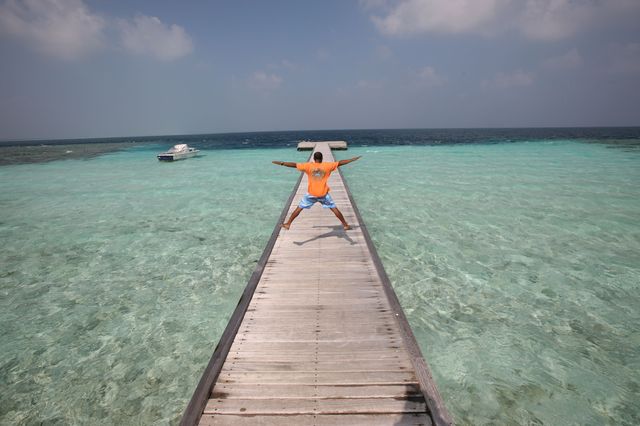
[(571, 59), (62, 28), (518, 78), (68, 29), (438, 16), (625, 58), (148, 35), (372, 4), (543, 20), (264, 82), (555, 19), (428, 77)]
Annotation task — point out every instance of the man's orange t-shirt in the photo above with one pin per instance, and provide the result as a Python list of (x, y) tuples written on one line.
[(318, 174)]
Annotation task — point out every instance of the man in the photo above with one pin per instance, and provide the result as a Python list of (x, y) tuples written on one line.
[(318, 191)]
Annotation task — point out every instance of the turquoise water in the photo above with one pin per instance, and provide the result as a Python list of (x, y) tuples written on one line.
[(119, 275), (518, 266)]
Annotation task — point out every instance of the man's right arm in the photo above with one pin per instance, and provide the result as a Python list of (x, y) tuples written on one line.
[(284, 163)]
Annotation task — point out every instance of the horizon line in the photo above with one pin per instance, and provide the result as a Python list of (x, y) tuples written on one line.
[(89, 138)]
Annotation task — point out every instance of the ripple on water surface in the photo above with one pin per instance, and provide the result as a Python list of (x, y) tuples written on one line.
[(517, 264), (119, 275)]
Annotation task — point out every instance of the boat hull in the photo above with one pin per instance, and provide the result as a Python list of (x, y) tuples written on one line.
[(166, 156)]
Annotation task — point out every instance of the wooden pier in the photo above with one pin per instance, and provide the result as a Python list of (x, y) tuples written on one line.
[(318, 337)]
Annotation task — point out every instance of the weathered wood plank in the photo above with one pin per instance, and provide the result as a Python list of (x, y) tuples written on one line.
[(331, 344), (321, 346), (318, 335), (321, 377), (329, 320), (378, 327), (325, 307), (277, 335), (313, 366), (318, 420), (318, 406), (280, 356), (273, 391)]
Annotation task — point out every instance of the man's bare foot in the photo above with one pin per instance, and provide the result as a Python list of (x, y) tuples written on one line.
[(285, 225), (346, 227)]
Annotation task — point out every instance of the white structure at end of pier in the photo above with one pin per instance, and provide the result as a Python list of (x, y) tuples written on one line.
[(309, 145)]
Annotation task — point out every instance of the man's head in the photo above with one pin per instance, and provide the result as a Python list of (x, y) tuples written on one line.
[(317, 157)]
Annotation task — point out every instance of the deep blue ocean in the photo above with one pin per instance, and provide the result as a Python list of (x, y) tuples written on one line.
[(379, 137)]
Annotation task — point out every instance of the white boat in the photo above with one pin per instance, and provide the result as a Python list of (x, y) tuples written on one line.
[(178, 152)]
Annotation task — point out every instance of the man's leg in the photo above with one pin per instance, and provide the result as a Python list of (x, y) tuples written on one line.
[(338, 214), (295, 214)]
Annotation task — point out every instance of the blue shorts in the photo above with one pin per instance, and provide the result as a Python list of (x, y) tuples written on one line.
[(309, 200)]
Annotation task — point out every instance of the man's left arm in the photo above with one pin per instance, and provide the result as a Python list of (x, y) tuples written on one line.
[(350, 160)]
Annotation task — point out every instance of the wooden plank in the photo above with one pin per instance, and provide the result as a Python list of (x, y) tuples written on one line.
[(317, 341), (253, 349), (322, 298), (324, 315), (327, 378), (316, 336), (274, 391), (355, 335), (282, 319), (324, 353), (302, 275), (322, 332), (404, 419), (378, 327), (280, 356), (380, 355), (348, 346), (296, 287), (319, 301), (325, 307), (317, 318), (312, 366), (298, 406), (280, 290)]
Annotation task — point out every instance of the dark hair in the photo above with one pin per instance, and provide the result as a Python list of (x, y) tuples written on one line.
[(317, 156)]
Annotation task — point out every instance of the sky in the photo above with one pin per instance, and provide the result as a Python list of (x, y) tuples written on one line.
[(103, 68)]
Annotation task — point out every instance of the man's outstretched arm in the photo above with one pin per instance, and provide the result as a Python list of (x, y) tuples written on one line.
[(284, 163), (350, 160)]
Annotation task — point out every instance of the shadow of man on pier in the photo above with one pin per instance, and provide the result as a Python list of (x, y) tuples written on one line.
[(336, 231)]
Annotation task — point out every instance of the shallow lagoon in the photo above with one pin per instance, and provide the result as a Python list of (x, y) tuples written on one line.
[(518, 265), (519, 268)]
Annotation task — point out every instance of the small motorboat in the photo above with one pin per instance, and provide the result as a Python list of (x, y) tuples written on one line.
[(178, 152)]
